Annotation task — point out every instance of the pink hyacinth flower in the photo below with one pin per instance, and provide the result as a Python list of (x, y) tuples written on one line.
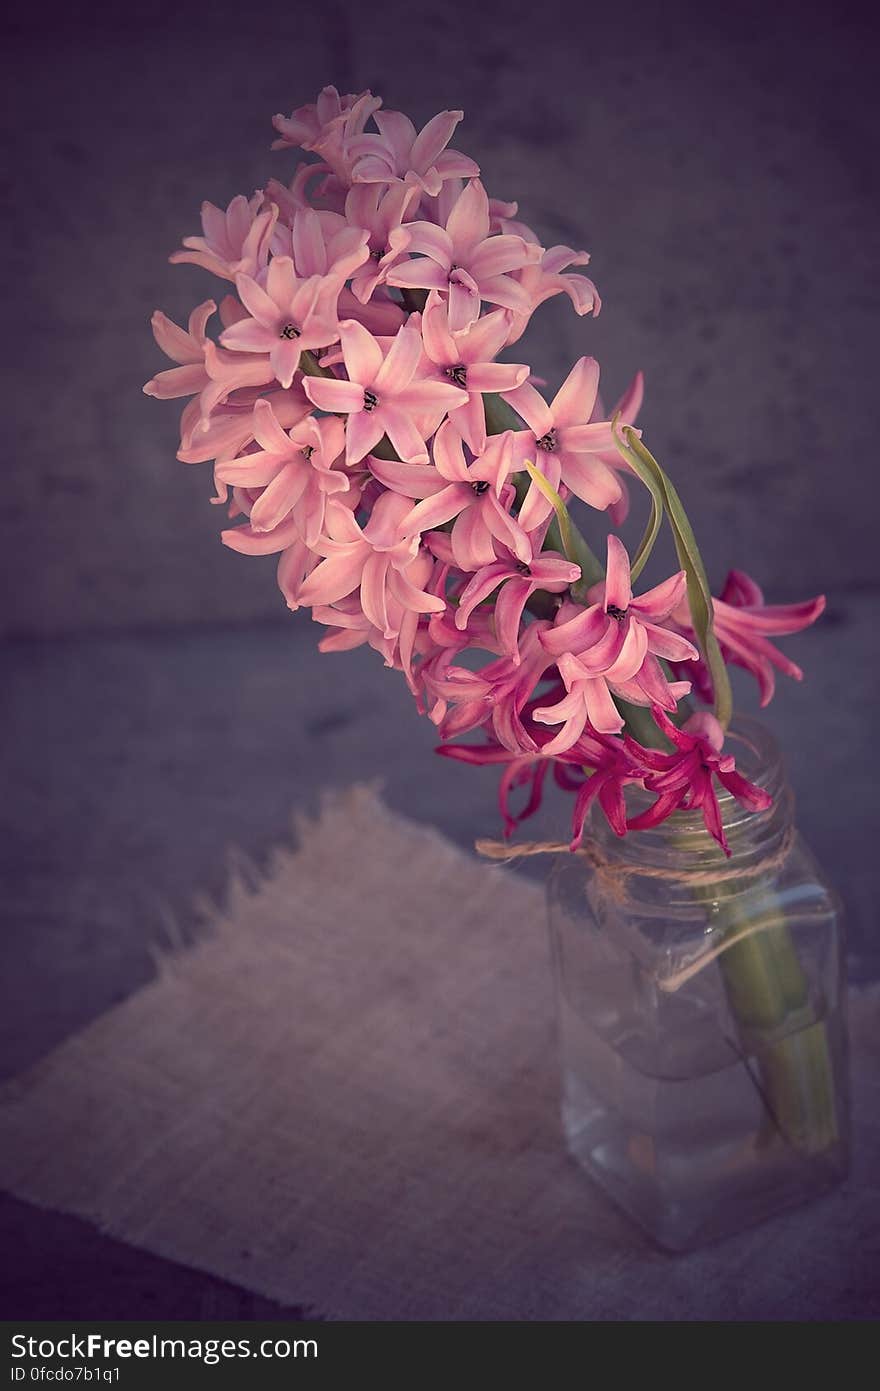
[(372, 558), (327, 127), (381, 212), (477, 495), (323, 244), (499, 696), (231, 426), (612, 647), (293, 468), (235, 242), (382, 392), (467, 359), (205, 368), (289, 316), (463, 262), (398, 153), (551, 276), (183, 346), (683, 780), (519, 580), (563, 443)]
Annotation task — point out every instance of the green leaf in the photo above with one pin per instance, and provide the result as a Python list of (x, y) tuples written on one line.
[(646, 468), (691, 561)]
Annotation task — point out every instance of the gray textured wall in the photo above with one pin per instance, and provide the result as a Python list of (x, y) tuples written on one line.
[(720, 167)]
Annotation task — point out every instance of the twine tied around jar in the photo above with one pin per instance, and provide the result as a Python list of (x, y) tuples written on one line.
[(615, 876)]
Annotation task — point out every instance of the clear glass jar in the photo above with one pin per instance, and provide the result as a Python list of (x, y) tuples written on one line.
[(702, 1015)]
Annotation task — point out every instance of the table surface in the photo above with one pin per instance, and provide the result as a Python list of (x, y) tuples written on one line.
[(134, 760)]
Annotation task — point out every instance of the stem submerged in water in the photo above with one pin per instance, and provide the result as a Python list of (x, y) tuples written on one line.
[(776, 1021), (769, 999)]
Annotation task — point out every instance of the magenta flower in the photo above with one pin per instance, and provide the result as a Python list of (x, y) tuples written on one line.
[(398, 153), (612, 648), (563, 443), (463, 262), (596, 768), (520, 770), (743, 622), (476, 495), (467, 359), (287, 317), (373, 559), (293, 468), (683, 780), (519, 580), (235, 242), (382, 392)]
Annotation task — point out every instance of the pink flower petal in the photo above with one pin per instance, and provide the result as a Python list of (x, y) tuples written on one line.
[(436, 510), (618, 592), (363, 355), (468, 223), (330, 394), (334, 577), (433, 138), (362, 433), (464, 301), (277, 499), (591, 480), (497, 255), (440, 345), (658, 603), (496, 376), (402, 432), (249, 336), (399, 366), (419, 274), (410, 480), (258, 304), (530, 404), (501, 289)]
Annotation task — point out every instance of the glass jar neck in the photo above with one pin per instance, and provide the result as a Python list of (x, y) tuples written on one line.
[(682, 843)]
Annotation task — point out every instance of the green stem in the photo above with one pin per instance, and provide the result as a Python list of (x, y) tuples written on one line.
[(640, 724), (769, 999)]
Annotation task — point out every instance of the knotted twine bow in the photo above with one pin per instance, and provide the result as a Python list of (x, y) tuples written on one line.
[(614, 877)]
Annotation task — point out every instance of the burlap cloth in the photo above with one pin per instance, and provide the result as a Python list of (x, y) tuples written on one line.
[(345, 1097)]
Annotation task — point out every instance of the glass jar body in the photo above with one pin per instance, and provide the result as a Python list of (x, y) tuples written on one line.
[(702, 1019)]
